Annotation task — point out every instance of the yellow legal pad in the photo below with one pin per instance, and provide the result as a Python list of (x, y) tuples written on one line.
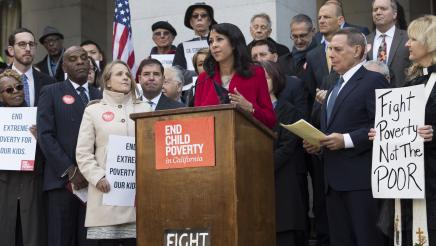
[(306, 131)]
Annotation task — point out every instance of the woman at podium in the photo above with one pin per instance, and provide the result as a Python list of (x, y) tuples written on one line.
[(110, 225), (230, 76)]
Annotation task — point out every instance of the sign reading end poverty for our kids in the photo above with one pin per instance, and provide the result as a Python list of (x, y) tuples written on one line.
[(17, 145), (185, 143), (120, 171), (398, 150)]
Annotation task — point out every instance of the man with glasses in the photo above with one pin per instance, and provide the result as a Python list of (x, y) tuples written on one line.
[(163, 36), (51, 65), (260, 29), (24, 221), (199, 18)]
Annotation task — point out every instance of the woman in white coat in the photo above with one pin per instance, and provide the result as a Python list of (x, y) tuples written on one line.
[(110, 225)]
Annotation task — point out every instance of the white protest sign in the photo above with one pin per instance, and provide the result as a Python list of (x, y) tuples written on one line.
[(166, 60), (190, 48), (17, 144), (120, 171), (398, 150)]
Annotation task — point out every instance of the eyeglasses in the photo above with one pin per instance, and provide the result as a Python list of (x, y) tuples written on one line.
[(301, 36), (23, 45), (51, 40), (11, 90), (203, 16), (163, 33)]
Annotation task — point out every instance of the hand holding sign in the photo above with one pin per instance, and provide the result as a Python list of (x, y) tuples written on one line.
[(426, 132), (103, 185)]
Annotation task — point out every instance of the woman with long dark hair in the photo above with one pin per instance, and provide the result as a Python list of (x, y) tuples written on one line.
[(230, 76)]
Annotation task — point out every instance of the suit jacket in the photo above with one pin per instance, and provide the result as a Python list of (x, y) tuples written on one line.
[(43, 67), (398, 60), (288, 156), (294, 94), (59, 116), (353, 113), (168, 103)]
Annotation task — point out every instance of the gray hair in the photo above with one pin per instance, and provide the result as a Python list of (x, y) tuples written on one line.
[(302, 18), (264, 16), (379, 67), (178, 74)]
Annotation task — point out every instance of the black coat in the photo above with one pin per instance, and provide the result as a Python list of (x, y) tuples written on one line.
[(288, 154), (168, 103), (60, 113), (43, 67)]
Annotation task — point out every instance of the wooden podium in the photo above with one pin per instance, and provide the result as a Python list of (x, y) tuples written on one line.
[(228, 204)]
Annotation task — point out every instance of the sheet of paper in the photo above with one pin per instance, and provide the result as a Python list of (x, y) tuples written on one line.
[(306, 131)]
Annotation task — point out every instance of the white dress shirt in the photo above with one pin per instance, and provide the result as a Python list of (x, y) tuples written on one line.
[(154, 100), (30, 81), (378, 40), (75, 85)]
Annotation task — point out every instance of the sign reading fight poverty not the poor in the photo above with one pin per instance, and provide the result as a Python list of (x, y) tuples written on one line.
[(185, 143), (17, 144)]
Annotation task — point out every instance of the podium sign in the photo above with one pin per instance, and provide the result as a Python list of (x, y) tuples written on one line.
[(185, 143)]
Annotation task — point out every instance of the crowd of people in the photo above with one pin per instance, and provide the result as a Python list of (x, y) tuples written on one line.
[(328, 78)]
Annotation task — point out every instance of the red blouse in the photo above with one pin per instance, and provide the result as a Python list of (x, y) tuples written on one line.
[(254, 89)]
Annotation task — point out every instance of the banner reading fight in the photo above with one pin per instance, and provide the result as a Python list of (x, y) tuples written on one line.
[(398, 150), (185, 143), (17, 145)]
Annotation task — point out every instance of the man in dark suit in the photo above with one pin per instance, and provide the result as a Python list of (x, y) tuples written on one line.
[(388, 41), (346, 116), (260, 29), (151, 78), (52, 40), (31, 229), (60, 112)]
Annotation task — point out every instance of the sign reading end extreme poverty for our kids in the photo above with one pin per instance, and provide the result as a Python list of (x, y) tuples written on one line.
[(398, 150), (17, 145), (185, 143), (120, 171)]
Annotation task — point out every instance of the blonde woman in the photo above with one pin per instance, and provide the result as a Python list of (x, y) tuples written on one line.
[(110, 225)]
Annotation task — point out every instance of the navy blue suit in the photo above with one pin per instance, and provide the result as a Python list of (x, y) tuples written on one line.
[(60, 113), (351, 209)]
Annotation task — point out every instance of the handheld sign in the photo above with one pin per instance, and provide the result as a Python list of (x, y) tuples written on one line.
[(120, 171), (17, 144), (398, 150), (166, 60), (190, 48)]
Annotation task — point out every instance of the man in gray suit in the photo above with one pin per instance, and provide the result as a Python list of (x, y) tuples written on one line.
[(388, 41)]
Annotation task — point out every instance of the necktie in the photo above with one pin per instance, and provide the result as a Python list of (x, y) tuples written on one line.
[(151, 104), (382, 50), (82, 94), (333, 95), (26, 89)]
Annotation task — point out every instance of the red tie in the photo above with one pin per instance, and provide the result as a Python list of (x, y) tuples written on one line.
[(382, 50)]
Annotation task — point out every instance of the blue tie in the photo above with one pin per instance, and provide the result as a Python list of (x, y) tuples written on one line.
[(333, 95), (82, 94), (26, 89)]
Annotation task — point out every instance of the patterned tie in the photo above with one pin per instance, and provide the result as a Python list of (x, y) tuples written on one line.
[(333, 95), (151, 104), (26, 89), (82, 94), (382, 50)]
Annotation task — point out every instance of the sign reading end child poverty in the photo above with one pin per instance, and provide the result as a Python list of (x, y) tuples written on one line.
[(398, 150), (185, 143), (120, 171), (17, 144)]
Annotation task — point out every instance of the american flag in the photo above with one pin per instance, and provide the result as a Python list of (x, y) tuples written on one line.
[(122, 44)]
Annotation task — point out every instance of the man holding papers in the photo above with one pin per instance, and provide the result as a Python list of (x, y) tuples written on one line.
[(346, 116)]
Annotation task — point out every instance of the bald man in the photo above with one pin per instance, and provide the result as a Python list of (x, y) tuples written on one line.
[(60, 112)]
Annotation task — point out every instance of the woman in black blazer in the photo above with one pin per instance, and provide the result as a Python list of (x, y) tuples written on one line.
[(291, 200)]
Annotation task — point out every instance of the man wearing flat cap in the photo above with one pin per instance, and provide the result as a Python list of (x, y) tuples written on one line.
[(163, 36), (198, 17), (51, 65)]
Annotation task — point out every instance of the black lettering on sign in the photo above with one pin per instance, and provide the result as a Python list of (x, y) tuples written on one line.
[(191, 237)]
